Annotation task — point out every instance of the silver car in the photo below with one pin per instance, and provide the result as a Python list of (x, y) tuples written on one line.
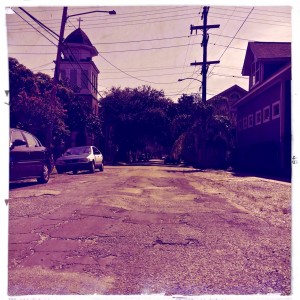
[(80, 158)]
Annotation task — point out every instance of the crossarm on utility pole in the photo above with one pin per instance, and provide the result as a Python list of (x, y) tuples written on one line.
[(205, 64)]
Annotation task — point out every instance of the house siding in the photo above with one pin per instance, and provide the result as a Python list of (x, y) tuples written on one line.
[(266, 131), (266, 147)]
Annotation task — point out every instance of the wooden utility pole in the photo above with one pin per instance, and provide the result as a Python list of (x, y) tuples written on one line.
[(60, 42), (56, 72), (205, 64)]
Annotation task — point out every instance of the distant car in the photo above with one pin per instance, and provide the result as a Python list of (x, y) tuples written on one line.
[(28, 157), (143, 157), (80, 158), (171, 160)]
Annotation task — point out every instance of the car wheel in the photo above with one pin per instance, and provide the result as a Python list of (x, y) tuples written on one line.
[(92, 167), (75, 171), (101, 168), (45, 175)]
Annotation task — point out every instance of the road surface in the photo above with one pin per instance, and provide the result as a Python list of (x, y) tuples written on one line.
[(150, 228)]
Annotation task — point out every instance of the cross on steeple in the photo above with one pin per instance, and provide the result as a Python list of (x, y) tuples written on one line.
[(79, 20)]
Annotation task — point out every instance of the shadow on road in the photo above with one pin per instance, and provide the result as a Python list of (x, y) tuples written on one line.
[(20, 184), (265, 176), (152, 162), (185, 171)]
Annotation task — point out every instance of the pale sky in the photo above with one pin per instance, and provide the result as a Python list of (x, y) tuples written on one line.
[(152, 45)]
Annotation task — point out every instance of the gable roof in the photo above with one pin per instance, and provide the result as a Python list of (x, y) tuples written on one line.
[(234, 88), (278, 51)]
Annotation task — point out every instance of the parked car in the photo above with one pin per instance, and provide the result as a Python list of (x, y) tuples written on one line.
[(143, 157), (169, 159), (28, 157), (80, 158)]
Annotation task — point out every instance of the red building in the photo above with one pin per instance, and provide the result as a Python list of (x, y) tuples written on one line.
[(264, 113)]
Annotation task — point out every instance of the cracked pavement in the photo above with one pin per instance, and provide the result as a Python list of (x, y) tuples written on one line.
[(150, 229)]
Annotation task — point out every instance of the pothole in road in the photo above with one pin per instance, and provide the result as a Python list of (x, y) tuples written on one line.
[(118, 210), (186, 242), (35, 193)]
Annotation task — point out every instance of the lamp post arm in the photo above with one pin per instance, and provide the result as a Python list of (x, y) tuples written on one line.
[(111, 12), (191, 78)]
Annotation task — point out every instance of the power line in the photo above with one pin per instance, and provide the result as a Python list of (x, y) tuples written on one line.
[(233, 38), (140, 49), (134, 77), (54, 34), (44, 65), (126, 42), (160, 21), (160, 12), (269, 22), (254, 12), (34, 27), (68, 49), (227, 75), (153, 75), (83, 73), (152, 12)]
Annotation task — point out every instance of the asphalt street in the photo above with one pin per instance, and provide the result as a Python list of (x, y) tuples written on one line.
[(150, 228)]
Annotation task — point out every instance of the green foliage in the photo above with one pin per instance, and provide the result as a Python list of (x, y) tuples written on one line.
[(137, 117), (34, 105), (48, 110), (205, 131)]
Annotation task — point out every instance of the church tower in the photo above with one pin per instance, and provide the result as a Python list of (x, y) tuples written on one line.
[(78, 67)]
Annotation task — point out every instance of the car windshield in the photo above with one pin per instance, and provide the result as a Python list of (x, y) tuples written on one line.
[(78, 151)]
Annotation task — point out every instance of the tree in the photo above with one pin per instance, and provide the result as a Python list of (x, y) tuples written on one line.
[(136, 118), (46, 109), (205, 133), (34, 105)]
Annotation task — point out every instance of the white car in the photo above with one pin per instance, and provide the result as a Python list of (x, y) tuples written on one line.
[(80, 158)]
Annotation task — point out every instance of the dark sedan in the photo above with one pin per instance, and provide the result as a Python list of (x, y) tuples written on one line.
[(28, 157)]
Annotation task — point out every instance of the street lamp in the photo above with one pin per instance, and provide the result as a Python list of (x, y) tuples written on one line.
[(64, 19), (191, 78), (111, 12)]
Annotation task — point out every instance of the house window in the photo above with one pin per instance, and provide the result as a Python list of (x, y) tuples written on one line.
[(275, 110), (96, 83), (73, 78), (245, 123), (94, 76), (240, 125), (255, 73), (266, 114), (63, 75), (258, 117), (84, 79), (250, 121)]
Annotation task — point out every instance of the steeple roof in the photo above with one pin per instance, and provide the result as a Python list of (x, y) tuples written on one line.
[(79, 39), (78, 36)]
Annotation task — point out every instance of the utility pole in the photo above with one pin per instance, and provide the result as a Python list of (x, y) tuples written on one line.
[(56, 71), (60, 42), (205, 64)]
